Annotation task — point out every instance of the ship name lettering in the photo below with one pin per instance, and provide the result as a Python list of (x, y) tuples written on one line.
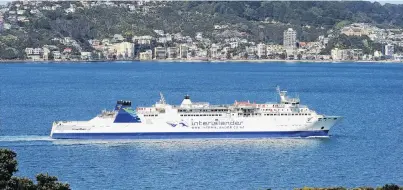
[(213, 123)]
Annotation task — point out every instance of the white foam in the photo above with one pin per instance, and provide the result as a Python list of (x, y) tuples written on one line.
[(25, 138)]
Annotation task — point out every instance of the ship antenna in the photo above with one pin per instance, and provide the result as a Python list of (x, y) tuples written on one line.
[(278, 92), (162, 100), (278, 89)]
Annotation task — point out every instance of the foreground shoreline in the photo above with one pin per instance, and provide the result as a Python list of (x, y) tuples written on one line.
[(194, 61)]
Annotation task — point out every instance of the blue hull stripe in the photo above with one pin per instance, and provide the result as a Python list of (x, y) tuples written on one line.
[(190, 135)]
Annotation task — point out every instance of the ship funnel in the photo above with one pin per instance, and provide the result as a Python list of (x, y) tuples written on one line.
[(186, 101), (122, 103)]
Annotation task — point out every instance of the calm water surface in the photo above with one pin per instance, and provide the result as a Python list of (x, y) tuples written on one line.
[(365, 149)]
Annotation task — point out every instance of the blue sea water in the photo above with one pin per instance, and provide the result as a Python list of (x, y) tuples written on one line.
[(365, 149)]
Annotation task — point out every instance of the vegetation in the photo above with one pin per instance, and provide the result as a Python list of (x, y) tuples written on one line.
[(385, 187), (255, 21), (352, 42), (8, 166)]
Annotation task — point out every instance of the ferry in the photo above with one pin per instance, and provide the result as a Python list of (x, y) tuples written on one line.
[(284, 119)]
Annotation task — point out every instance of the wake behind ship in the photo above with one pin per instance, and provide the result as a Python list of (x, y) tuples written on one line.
[(287, 118)]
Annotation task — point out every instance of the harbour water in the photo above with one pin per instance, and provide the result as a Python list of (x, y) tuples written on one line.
[(365, 149)]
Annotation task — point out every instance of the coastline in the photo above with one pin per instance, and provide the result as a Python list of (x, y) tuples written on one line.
[(263, 61)]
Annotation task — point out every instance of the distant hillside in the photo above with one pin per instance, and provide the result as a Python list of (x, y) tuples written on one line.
[(256, 21)]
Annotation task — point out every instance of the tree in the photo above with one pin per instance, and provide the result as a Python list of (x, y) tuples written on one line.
[(389, 187), (8, 53), (21, 183), (8, 166), (46, 182), (282, 56), (228, 55), (246, 55), (299, 56), (51, 56)]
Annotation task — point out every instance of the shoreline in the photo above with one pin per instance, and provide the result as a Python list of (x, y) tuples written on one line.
[(196, 61)]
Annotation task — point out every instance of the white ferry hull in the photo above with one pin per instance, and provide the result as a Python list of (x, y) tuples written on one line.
[(269, 127), (287, 119), (193, 135)]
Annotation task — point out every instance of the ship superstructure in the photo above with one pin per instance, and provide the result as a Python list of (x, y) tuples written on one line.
[(286, 118)]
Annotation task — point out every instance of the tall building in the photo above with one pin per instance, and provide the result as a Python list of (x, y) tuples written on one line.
[(124, 50), (389, 50), (290, 39), (160, 53), (183, 51), (147, 55), (261, 50), (172, 52)]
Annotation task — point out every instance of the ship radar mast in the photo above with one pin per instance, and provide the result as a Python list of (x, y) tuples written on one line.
[(162, 99), (284, 99)]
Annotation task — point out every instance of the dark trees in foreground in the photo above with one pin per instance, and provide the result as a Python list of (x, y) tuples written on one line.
[(8, 166)]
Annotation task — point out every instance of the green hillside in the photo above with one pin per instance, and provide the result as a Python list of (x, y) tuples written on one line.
[(255, 21)]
